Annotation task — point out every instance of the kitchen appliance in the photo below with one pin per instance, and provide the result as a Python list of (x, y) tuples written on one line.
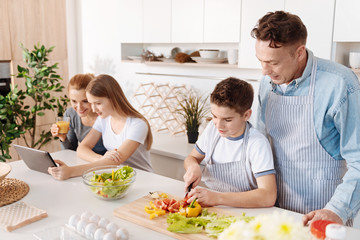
[(5, 78)]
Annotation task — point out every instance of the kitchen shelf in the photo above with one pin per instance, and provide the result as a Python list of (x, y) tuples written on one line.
[(217, 65), (356, 70)]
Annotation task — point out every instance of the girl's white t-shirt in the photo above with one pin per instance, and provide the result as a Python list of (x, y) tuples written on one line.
[(135, 129), (258, 151)]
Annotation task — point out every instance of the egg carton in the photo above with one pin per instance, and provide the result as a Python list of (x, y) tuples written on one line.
[(93, 227)]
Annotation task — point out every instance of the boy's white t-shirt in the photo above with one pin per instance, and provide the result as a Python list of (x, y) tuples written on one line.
[(229, 149), (135, 129)]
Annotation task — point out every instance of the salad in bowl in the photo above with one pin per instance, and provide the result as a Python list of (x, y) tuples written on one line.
[(109, 182)]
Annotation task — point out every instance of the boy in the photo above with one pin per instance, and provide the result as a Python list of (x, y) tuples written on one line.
[(239, 169)]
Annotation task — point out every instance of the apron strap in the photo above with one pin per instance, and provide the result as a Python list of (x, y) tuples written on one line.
[(244, 147), (312, 79), (245, 141)]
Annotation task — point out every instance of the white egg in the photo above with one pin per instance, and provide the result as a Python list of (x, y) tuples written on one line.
[(103, 222), (86, 215), (73, 220), (80, 227), (112, 227), (122, 234), (99, 234), (109, 236), (90, 230), (94, 219)]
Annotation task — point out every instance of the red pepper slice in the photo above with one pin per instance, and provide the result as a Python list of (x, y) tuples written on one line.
[(318, 227)]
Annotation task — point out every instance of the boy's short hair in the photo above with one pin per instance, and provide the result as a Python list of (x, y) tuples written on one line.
[(233, 93)]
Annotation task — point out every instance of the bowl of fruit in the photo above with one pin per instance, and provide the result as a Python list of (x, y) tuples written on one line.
[(109, 182)]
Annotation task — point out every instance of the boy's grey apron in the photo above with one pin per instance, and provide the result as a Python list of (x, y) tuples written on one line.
[(232, 176), (306, 174)]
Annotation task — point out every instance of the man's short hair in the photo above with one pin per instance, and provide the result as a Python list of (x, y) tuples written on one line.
[(281, 29)]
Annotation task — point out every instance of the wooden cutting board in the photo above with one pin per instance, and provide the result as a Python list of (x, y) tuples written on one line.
[(134, 212)]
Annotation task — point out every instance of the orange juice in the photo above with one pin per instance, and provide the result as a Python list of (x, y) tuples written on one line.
[(63, 126)]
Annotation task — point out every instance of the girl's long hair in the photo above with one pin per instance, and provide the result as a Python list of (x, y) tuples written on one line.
[(106, 86)]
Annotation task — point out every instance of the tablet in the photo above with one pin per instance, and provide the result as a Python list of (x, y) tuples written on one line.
[(37, 160)]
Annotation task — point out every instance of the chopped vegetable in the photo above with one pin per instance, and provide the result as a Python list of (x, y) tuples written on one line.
[(210, 222), (154, 195), (194, 209), (154, 211)]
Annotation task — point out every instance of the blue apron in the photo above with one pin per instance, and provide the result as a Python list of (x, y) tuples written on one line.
[(306, 175)]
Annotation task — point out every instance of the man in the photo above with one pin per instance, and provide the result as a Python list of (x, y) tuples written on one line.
[(310, 110)]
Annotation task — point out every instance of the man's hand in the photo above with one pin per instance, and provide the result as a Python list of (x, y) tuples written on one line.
[(322, 214)]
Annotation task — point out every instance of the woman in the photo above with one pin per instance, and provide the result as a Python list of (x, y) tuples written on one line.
[(81, 116), (126, 134)]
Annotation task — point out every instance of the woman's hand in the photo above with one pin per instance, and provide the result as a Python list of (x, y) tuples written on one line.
[(113, 155), (205, 197), (62, 172), (55, 132)]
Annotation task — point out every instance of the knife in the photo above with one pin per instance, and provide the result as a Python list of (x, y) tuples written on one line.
[(189, 189)]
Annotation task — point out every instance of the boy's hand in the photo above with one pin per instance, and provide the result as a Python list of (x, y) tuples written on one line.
[(192, 175), (205, 197)]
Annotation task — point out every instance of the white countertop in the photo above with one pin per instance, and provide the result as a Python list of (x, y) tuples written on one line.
[(61, 199), (175, 146)]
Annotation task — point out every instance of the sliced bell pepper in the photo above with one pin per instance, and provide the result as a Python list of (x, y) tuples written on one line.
[(194, 209)]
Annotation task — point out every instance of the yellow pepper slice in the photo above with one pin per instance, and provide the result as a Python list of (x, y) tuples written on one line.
[(157, 213), (148, 210), (164, 195), (112, 175), (194, 209), (152, 205)]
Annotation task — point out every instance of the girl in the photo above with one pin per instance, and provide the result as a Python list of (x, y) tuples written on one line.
[(81, 116), (126, 134)]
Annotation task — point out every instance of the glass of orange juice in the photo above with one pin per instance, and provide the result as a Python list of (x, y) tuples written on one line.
[(63, 123)]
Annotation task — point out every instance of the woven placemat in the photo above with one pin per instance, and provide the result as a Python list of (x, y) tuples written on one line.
[(12, 190)]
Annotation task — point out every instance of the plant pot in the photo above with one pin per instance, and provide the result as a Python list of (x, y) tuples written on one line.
[(192, 137)]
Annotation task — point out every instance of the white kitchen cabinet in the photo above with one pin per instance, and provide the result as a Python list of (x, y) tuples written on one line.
[(319, 25), (131, 21), (346, 24), (251, 12), (187, 21), (157, 21), (222, 21)]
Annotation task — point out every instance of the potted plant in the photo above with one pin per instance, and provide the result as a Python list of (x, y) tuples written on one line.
[(193, 109), (20, 109)]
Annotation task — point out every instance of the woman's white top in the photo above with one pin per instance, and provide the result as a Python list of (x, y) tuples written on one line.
[(135, 129)]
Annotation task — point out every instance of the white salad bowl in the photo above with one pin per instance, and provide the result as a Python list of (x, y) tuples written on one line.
[(99, 181)]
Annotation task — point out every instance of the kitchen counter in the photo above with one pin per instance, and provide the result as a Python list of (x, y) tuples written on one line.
[(61, 199), (174, 146)]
